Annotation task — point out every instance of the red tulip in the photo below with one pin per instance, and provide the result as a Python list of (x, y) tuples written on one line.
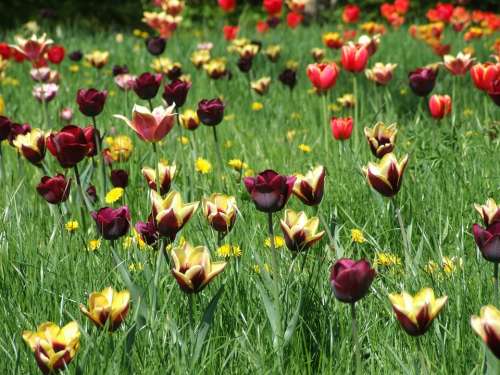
[(483, 75), (350, 280), (5, 51), (68, 145), (56, 53), (323, 76), (230, 32), (5, 127), (269, 190), (262, 26), (91, 134), (54, 189), (272, 7), (294, 19), (112, 223), (91, 101), (439, 106), (354, 57), (351, 13), (227, 5), (341, 128)]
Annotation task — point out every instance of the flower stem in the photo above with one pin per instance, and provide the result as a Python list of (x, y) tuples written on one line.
[(406, 244), (2, 166), (325, 121), (495, 276), (150, 105), (83, 201), (356, 102), (157, 168), (98, 145), (217, 149), (274, 260), (355, 338)]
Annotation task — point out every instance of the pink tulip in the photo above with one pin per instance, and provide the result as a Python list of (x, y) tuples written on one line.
[(354, 57), (323, 76)]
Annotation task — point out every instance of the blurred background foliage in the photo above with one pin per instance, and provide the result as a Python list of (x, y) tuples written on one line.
[(105, 14)]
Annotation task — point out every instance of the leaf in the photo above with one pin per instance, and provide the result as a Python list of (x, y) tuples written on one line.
[(292, 324), (492, 363), (271, 312)]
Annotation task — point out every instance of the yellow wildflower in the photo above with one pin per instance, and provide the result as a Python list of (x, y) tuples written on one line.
[(228, 144), (295, 116), (224, 251), (230, 117), (256, 268), (257, 106), (304, 148), (137, 33), (450, 264), (2, 105), (334, 107), (94, 245), (357, 236), (278, 242), (237, 164), (468, 112), (113, 195), (119, 38), (136, 267), (184, 140), (202, 166), (387, 259), (403, 91), (431, 267), (249, 173), (71, 226), (290, 135)]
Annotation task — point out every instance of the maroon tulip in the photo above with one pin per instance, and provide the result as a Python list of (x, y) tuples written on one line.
[(422, 80), (119, 69), (69, 145), (17, 129), (91, 101), (5, 126), (91, 134), (174, 72), (112, 223), (176, 92), (245, 64), (75, 56), (351, 280), (156, 45), (288, 77), (119, 178), (269, 190), (54, 189), (148, 231), (488, 241), (146, 85), (210, 112)]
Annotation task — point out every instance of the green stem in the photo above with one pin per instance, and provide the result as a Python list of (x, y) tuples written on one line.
[(98, 145), (356, 106), (274, 258), (217, 149), (404, 236), (325, 124), (157, 168), (83, 199), (355, 338), (495, 275)]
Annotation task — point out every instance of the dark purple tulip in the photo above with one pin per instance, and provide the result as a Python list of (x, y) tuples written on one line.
[(120, 69), (488, 241), (422, 80), (288, 77), (112, 223), (119, 178), (273, 22), (91, 134), (69, 145), (146, 85), (17, 129), (176, 92), (5, 127), (351, 280), (54, 189), (91, 101), (75, 56), (245, 64), (174, 73), (156, 45), (91, 193), (269, 190), (210, 112), (148, 231)]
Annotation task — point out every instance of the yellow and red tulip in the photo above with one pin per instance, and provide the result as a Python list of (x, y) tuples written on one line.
[(166, 173), (487, 326), (107, 307), (490, 212), (310, 188), (220, 211), (189, 119), (261, 86), (381, 138), (299, 231), (31, 145), (97, 59), (387, 175)]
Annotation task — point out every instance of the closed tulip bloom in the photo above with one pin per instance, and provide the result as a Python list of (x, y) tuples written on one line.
[(381, 138), (350, 280), (244, 64), (146, 85), (483, 75), (147, 231), (91, 101), (151, 126), (5, 127), (55, 54), (494, 91), (54, 347), (166, 173), (261, 86), (66, 114), (68, 145), (288, 77), (107, 307), (323, 76), (487, 326), (119, 178), (422, 80), (341, 127), (189, 120), (220, 210), (17, 130), (269, 190), (75, 56), (193, 268), (227, 5), (45, 92), (112, 223), (439, 106), (490, 212), (171, 214), (354, 57), (119, 69), (351, 13), (176, 92), (459, 65), (33, 48), (156, 45), (309, 188), (386, 176), (40, 74), (371, 43), (272, 7), (54, 189), (331, 40), (416, 313), (216, 68), (381, 73), (488, 240), (98, 59), (31, 145), (273, 52), (200, 57), (299, 231), (125, 81), (210, 112)]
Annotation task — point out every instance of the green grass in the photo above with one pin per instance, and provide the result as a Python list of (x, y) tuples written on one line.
[(45, 279)]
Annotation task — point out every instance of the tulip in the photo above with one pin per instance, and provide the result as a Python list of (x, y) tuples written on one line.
[(227, 5), (381, 138), (487, 326), (92, 136), (261, 86), (125, 81), (146, 85), (31, 146), (350, 280), (341, 128), (245, 64), (66, 114), (5, 127), (483, 75), (318, 54), (494, 91), (34, 48), (193, 269), (216, 68), (351, 13), (210, 112), (40, 74), (272, 7), (269, 190), (147, 231), (98, 59), (91, 101), (422, 80), (45, 92), (189, 120), (488, 240), (288, 77), (354, 57), (112, 223), (156, 45), (166, 173), (294, 19), (54, 189), (371, 43), (332, 40), (171, 214), (273, 52), (220, 210), (416, 313), (176, 92), (386, 176), (459, 65), (381, 73), (54, 347), (107, 307), (309, 188), (230, 32), (68, 145), (55, 54), (75, 56), (490, 212), (439, 106), (119, 69), (91, 193), (300, 233), (17, 130), (200, 57), (323, 76), (119, 178), (151, 126)]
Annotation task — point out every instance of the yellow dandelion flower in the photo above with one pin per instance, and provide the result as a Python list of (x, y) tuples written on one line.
[(127, 242), (290, 135), (236, 251), (135, 267), (468, 112), (387, 259), (357, 236), (73, 68), (256, 268), (2, 105), (112, 93), (94, 245), (257, 106), (119, 38), (279, 242), (403, 91), (450, 265), (304, 148), (249, 173), (137, 33), (183, 140), (113, 195), (224, 251), (237, 164), (334, 107), (71, 226), (202, 166), (431, 267), (144, 35)]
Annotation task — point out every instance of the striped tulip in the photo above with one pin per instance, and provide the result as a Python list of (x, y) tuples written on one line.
[(166, 174), (220, 211), (310, 188), (487, 326), (381, 138), (107, 307), (31, 145), (387, 175), (299, 231)]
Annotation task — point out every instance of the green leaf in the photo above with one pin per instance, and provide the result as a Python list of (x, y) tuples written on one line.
[(292, 324)]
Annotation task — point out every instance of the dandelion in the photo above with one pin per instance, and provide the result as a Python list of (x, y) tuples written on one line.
[(71, 226), (114, 195), (279, 242), (224, 251), (257, 106), (230, 117), (431, 267), (387, 259), (468, 112), (304, 148), (237, 164), (136, 267), (128, 242), (236, 251), (183, 140), (249, 173), (94, 245), (74, 68), (256, 268), (450, 265), (334, 107), (357, 236), (347, 101), (202, 166)]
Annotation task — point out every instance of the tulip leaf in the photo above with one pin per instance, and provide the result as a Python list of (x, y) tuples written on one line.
[(271, 312), (292, 324), (492, 363), (206, 323)]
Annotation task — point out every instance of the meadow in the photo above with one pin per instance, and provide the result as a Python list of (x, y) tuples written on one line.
[(264, 313)]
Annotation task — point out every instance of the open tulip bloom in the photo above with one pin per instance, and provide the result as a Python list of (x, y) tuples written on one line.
[(299, 231), (107, 307), (166, 174), (310, 188), (386, 176), (487, 326)]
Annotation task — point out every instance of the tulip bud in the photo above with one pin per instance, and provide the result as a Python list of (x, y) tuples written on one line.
[(112, 223), (350, 280), (5, 127), (351, 13), (166, 173), (490, 212), (487, 326), (341, 128), (323, 76), (189, 120), (269, 190), (220, 210), (245, 64), (439, 106), (289, 78), (309, 188), (55, 54), (416, 313), (176, 92), (386, 177), (54, 189), (422, 80), (125, 81), (119, 178), (354, 57), (146, 85), (156, 45), (318, 54), (488, 241), (381, 138), (210, 112), (107, 307), (66, 114), (273, 53), (300, 233), (45, 92), (119, 70), (75, 56), (91, 101), (31, 145)]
